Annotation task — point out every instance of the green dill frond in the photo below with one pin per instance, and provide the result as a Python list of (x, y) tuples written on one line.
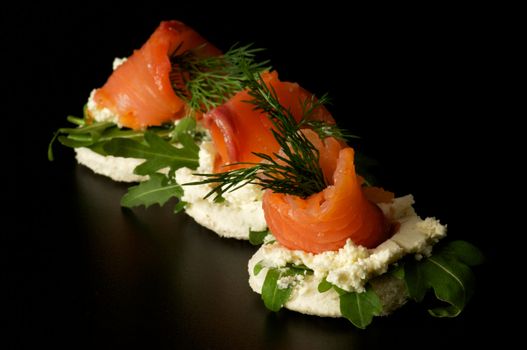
[(324, 129), (295, 170), (310, 107), (206, 82)]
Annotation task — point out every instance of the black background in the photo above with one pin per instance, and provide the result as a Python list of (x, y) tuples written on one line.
[(86, 273)]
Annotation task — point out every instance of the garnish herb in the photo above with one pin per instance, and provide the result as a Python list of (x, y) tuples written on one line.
[(206, 82), (295, 170), (257, 237), (155, 146), (258, 267), (94, 136), (448, 273), (158, 153), (203, 82), (358, 308), (156, 190), (274, 294)]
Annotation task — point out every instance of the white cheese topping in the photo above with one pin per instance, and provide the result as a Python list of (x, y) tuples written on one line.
[(117, 62), (100, 114), (351, 266)]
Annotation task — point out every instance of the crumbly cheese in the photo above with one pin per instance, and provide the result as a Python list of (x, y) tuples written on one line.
[(100, 114), (241, 210), (289, 281), (351, 266), (117, 62)]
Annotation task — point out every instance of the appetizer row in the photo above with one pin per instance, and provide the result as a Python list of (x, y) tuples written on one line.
[(252, 157)]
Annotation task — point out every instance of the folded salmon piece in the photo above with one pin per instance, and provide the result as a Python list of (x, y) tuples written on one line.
[(140, 91)]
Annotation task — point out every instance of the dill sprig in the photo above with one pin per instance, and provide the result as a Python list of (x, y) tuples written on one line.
[(324, 129), (294, 170), (206, 82)]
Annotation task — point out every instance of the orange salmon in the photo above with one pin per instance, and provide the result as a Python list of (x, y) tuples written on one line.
[(140, 91), (238, 130), (325, 220)]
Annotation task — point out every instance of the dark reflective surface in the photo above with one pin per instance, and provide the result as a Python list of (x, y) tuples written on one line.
[(106, 275), (86, 273)]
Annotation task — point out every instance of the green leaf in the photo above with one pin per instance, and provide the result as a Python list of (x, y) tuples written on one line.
[(69, 142), (299, 269), (156, 190), (257, 237), (415, 281), (465, 252), (453, 283), (258, 267), (95, 128), (157, 152), (180, 206), (324, 286), (186, 126), (76, 120), (274, 298), (447, 272), (359, 308), (397, 271), (50, 146)]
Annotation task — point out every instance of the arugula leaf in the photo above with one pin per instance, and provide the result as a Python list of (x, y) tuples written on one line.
[(257, 237), (447, 272), (359, 308), (82, 136), (299, 269), (73, 143), (273, 296), (155, 190), (324, 286), (465, 252), (180, 206), (397, 271), (95, 130), (158, 153), (152, 145), (95, 135), (186, 126), (258, 267)]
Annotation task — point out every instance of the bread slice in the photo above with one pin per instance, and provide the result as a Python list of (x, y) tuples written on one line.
[(116, 168)]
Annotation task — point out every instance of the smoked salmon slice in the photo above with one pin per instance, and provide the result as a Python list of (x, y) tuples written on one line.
[(325, 220), (140, 91), (238, 130)]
